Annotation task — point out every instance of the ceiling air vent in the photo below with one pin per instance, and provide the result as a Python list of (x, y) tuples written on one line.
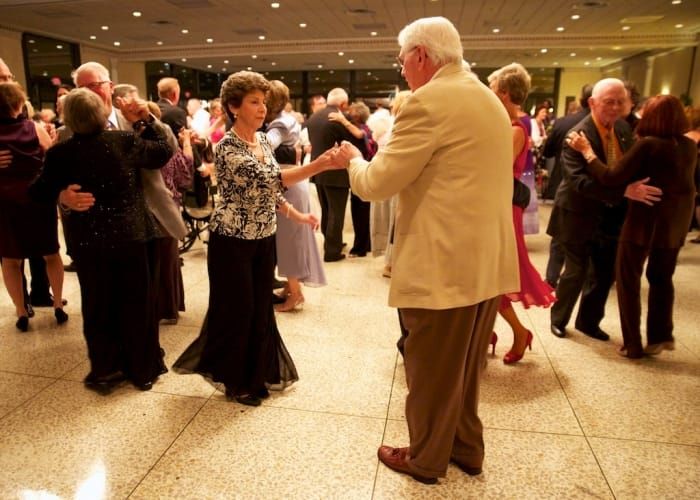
[(361, 12), (369, 26), (54, 13), (190, 4)]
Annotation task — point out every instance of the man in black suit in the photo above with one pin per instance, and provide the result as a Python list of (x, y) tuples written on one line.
[(587, 217), (168, 97), (333, 185), (552, 149)]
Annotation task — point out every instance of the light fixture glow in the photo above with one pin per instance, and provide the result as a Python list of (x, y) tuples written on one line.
[(226, 61), (105, 28), (159, 42), (626, 28), (679, 25), (573, 54), (208, 66), (587, 63), (254, 56), (320, 66), (496, 30), (32, 41), (210, 40), (136, 13), (341, 54), (185, 31), (184, 59), (560, 28), (351, 61), (93, 37), (302, 25), (59, 47), (250, 68), (117, 44), (273, 63), (575, 17), (275, 5), (373, 33), (544, 51), (676, 2), (261, 37)]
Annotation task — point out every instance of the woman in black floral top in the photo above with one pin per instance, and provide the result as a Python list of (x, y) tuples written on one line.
[(239, 344)]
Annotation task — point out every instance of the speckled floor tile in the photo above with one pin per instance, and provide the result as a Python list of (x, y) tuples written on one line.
[(640, 470), (16, 389), (67, 438), (517, 465), (338, 378), (649, 399), (232, 451)]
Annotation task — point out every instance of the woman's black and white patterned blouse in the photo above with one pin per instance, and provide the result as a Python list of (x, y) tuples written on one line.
[(249, 190)]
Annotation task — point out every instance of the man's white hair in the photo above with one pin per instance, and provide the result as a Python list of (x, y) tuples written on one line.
[(437, 35), (605, 84), (93, 67), (337, 97)]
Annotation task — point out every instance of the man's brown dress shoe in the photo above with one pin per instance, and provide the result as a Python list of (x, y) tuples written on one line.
[(395, 459)]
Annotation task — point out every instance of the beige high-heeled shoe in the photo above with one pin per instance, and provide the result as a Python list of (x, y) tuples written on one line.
[(292, 303)]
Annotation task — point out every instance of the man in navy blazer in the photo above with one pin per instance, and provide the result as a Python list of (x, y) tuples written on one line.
[(587, 216)]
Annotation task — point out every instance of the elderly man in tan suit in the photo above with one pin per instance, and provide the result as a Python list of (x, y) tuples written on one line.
[(450, 161)]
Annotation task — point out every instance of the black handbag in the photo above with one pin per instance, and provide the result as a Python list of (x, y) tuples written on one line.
[(521, 194)]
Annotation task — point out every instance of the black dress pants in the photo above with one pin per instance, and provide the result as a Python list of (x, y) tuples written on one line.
[(588, 271), (333, 201), (359, 210), (117, 305)]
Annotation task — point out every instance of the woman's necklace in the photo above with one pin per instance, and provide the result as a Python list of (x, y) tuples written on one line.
[(253, 144)]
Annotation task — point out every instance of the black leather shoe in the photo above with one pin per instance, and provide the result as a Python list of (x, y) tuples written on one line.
[(144, 386), (558, 331), (333, 258), (22, 323), (61, 316), (30, 310), (105, 383), (46, 302), (249, 400), (595, 333)]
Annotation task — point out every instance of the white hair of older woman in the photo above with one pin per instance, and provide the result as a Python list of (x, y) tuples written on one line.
[(337, 97), (437, 35), (93, 67)]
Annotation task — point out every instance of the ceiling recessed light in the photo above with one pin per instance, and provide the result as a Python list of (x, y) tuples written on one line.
[(35, 50), (184, 59), (341, 54), (32, 41), (226, 61), (555, 63), (626, 28), (575, 17), (209, 66), (302, 25), (254, 56), (560, 28), (136, 13), (320, 66), (261, 37), (249, 68), (587, 63), (573, 54), (676, 2), (117, 44), (617, 47), (351, 61), (544, 51), (373, 33), (679, 25), (275, 5), (93, 37), (496, 30), (369, 73), (273, 63), (598, 58), (395, 65), (59, 47), (223, 69), (105, 28), (210, 40), (331, 72), (159, 42), (185, 31)]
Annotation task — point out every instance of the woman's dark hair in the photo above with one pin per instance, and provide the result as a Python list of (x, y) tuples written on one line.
[(12, 97), (663, 116), (237, 86), (277, 98)]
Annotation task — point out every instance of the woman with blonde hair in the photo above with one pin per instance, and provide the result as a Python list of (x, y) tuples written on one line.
[(511, 84)]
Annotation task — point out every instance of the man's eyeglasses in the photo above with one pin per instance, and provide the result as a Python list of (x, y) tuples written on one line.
[(94, 85), (400, 58)]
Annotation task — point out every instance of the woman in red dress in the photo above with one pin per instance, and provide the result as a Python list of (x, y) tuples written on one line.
[(511, 84)]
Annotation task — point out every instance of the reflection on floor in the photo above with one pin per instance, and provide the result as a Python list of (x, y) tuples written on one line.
[(572, 420)]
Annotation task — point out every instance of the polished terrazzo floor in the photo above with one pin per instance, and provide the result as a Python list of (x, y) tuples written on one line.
[(572, 420)]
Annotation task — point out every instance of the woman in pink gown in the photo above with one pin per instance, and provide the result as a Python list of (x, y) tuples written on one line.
[(511, 84)]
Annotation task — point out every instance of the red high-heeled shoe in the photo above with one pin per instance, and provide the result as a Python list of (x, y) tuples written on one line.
[(493, 341), (512, 357)]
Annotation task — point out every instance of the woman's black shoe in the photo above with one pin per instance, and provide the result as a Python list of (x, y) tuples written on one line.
[(61, 317), (144, 386), (30, 310), (105, 383), (249, 400), (262, 393), (22, 323)]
